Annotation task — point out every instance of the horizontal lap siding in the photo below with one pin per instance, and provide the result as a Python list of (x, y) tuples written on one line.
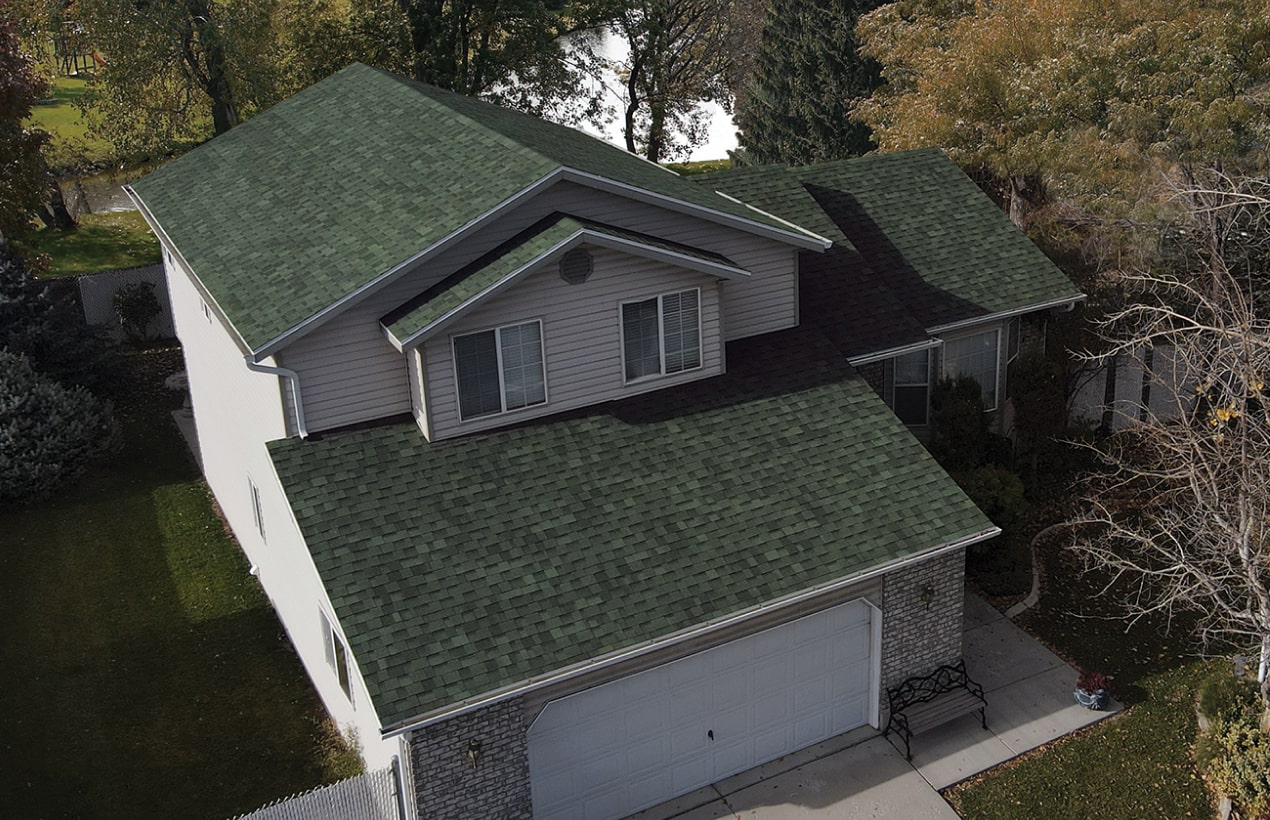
[(350, 373), (581, 338)]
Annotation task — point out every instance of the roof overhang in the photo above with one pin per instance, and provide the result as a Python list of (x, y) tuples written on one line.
[(795, 236), (584, 235), (1067, 302), (631, 652)]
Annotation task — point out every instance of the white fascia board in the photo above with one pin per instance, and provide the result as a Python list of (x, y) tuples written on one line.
[(397, 270), (891, 353), (171, 248), (1008, 314), (799, 236), (578, 237), (512, 690)]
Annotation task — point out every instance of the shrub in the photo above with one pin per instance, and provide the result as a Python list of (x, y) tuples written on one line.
[(996, 491), (1236, 757), (1225, 698), (1093, 682), (48, 432), (959, 436), (136, 306)]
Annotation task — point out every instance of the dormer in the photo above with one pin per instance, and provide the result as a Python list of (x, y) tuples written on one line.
[(569, 313)]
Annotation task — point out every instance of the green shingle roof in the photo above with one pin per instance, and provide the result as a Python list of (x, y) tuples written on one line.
[(512, 256), (927, 246), (314, 198), (462, 566)]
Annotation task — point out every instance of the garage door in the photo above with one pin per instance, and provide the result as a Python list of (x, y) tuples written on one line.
[(643, 739)]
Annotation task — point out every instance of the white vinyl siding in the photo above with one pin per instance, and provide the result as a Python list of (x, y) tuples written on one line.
[(499, 370), (977, 356), (662, 335), (350, 373), (581, 337)]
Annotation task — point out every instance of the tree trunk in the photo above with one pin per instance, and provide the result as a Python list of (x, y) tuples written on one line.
[(54, 213), (656, 133), (1109, 396)]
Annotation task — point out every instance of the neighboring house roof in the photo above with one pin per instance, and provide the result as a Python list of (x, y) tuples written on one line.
[(463, 566), (329, 190), (551, 237), (927, 247)]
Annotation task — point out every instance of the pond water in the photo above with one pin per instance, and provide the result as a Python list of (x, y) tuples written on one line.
[(103, 192)]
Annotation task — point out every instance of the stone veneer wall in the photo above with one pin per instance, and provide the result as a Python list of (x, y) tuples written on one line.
[(915, 638), (448, 786)]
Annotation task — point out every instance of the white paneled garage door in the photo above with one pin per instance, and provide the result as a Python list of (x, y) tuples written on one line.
[(643, 739)]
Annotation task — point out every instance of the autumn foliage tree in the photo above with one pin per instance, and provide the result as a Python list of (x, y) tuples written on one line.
[(24, 179), (1080, 100)]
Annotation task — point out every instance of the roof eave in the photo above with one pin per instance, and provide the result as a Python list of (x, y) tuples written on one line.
[(564, 673), (1063, 302)]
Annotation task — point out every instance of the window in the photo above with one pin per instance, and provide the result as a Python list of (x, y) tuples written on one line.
[(1012, 339), (976, 356), (207, 310), (337, 656), (500, 370), (661, 335), (912, 387), (257, 510)]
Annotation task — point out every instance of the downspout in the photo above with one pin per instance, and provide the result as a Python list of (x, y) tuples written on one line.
[(291, 376)]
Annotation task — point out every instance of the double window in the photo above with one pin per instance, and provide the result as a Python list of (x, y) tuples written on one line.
[(500, 370), (976, 356), (661, 335)]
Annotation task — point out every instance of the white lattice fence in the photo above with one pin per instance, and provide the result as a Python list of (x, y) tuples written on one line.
[(97, 294), (371, 796)]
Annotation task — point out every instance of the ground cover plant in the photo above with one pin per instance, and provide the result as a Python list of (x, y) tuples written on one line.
[(107, 241), (1138, 764), (71, 143), (143, 672)]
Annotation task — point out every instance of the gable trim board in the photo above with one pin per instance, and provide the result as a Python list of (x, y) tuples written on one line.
[(635, 651), (574, 233)]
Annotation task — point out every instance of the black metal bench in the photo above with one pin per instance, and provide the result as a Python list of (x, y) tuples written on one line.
[(925, 702)]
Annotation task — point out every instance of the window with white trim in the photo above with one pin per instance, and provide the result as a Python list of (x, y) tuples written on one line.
[(257, 509), (1013, 336), (500, 370), (977, 356), (337, 656), (207, 310), (661, 335), (911, 388)]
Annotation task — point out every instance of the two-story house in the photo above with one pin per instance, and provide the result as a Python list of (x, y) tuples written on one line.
[(552, 462)]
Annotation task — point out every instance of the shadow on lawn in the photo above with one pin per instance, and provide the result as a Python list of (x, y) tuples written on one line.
[(144, 671)]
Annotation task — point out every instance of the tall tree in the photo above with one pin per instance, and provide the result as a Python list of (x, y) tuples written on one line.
[(1181, 513), (516, 51), (25, 182), (808, 79), (172, 65), (1079, 100), (678, 59)]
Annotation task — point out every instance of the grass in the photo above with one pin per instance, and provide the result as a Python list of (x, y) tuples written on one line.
[(143, 673), (703, 166), (72, 144), (106, 241), (1135, 765)]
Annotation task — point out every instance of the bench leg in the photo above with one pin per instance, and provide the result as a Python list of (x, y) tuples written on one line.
[(983, 718)]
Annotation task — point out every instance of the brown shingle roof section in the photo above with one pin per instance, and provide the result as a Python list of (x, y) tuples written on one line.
[(462, 566)]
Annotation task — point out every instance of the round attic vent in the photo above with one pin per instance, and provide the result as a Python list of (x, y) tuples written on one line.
[(575, 266)]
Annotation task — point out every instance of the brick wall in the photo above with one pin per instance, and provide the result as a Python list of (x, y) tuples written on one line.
[(917, 638), (447, 785)]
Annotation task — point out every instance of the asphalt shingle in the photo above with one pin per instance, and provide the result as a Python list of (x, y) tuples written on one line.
[(461, 566)]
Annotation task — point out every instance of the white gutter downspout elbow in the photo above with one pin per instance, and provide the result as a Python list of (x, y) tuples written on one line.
[(291, 376)]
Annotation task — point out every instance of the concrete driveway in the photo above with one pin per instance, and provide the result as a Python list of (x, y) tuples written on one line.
[(863, 775)]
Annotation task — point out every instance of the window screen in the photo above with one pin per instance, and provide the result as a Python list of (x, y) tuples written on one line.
[(975, 356)]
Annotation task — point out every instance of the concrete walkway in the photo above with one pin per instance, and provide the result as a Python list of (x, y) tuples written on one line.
[(863, 775)]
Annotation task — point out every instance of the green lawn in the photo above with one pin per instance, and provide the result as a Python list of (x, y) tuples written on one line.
[(143, 673), (1134, 765), (72, 145), (117, 239)]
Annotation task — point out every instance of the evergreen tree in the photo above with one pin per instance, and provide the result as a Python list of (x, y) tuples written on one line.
[(809, 77)]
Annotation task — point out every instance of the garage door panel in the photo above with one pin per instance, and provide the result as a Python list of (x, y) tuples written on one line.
[(638, 741)]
